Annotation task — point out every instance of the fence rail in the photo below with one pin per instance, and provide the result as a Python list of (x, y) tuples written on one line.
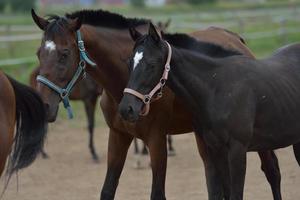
[(241, 20)]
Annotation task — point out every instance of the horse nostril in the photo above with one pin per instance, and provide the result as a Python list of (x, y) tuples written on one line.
[(130, 110)]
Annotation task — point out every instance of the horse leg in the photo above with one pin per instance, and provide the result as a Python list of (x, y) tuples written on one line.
[(118, 144), (145, 150), (90, 105), (137, 163), (237, 165), (158, 154), (171, 150), (269, 165), (213, 183), (296, 148)]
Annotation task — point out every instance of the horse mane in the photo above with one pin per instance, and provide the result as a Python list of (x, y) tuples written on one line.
[(237, 35), (187, 42), (106, 19)]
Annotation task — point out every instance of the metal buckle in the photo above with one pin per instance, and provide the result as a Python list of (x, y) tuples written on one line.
[(162, 82), (64, 93), (81, 45), (167, 67), (147, 99), (82, 64)]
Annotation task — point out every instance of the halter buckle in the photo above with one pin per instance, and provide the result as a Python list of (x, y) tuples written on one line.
[(162, 82), (168, 67), (81, 45), (147, 99), (64, 93)]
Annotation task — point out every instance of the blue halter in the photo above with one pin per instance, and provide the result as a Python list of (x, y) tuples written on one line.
[(65, 92)]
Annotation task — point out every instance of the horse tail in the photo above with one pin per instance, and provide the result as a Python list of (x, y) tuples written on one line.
[(296, 148), (31, 127)]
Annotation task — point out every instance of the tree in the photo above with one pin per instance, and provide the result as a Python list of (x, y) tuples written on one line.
[(137, 3), (2, 4), (200, 1), (21, 5)]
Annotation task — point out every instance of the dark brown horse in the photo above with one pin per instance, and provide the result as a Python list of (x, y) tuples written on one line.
[(239, 104), (23, 124), (87, 91), (109, 44)]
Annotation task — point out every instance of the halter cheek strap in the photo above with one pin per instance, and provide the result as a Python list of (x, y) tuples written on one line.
[(148, 98), (64, 93)]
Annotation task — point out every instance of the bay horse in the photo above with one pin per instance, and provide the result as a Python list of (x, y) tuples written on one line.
[(23, 125), (87, 91), (238, 104), (108, 43)]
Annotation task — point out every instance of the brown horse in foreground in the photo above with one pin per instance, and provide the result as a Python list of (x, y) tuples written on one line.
[(23, 125), (87, 91), (109, 44)]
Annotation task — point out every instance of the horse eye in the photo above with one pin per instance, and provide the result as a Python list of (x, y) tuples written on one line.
[(64, 55)]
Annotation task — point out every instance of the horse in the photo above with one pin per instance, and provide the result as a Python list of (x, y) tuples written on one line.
[(23, 125), (87, 91), (104, 37), (163, 26), (238, 104)]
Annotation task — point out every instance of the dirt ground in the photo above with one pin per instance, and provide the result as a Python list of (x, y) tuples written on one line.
[(70, 173)]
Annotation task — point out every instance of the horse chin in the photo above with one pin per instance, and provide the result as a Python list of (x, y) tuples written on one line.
[(130, 109), (52, 114)]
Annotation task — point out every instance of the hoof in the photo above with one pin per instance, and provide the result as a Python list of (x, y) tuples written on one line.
[(45, 155), (95, 158)]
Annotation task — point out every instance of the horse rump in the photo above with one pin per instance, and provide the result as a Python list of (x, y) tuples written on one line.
[(31, 127)]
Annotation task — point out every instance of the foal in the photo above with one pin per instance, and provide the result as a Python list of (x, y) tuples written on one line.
[(238, 104)]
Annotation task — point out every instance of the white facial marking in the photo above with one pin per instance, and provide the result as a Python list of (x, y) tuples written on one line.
[(137, 58), (50, 45)]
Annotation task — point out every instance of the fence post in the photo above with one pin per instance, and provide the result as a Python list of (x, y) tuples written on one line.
[(10, 48), (283, 32)]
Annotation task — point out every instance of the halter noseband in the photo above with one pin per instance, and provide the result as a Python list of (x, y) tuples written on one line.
[(158, 88), (64, 93)]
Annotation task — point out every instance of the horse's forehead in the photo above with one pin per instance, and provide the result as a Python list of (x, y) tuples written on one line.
[(50, 45), (54, 43), (138, 56)]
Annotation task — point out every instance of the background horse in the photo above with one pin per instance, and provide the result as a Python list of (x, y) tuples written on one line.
[(109, 44), (240, 104), (88, 92), (21, 112)]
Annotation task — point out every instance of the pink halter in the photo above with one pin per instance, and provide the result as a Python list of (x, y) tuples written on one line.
[(148, 98)]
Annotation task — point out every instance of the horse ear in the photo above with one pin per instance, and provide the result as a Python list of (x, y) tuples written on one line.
[(40, 22), (134, 33), (75, 24), (154, 33), (167, 24)]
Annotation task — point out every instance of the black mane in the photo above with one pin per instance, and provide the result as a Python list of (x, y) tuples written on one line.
[(186, 42), (106, 19)]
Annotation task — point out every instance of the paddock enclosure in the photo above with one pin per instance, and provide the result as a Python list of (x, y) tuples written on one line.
[(70, 173)]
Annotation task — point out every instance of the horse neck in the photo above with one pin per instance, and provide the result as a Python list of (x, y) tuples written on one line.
[(109, 48), (190, 75)]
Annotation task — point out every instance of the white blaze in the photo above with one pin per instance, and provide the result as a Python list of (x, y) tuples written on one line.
[(50, 45), (137, 58)]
